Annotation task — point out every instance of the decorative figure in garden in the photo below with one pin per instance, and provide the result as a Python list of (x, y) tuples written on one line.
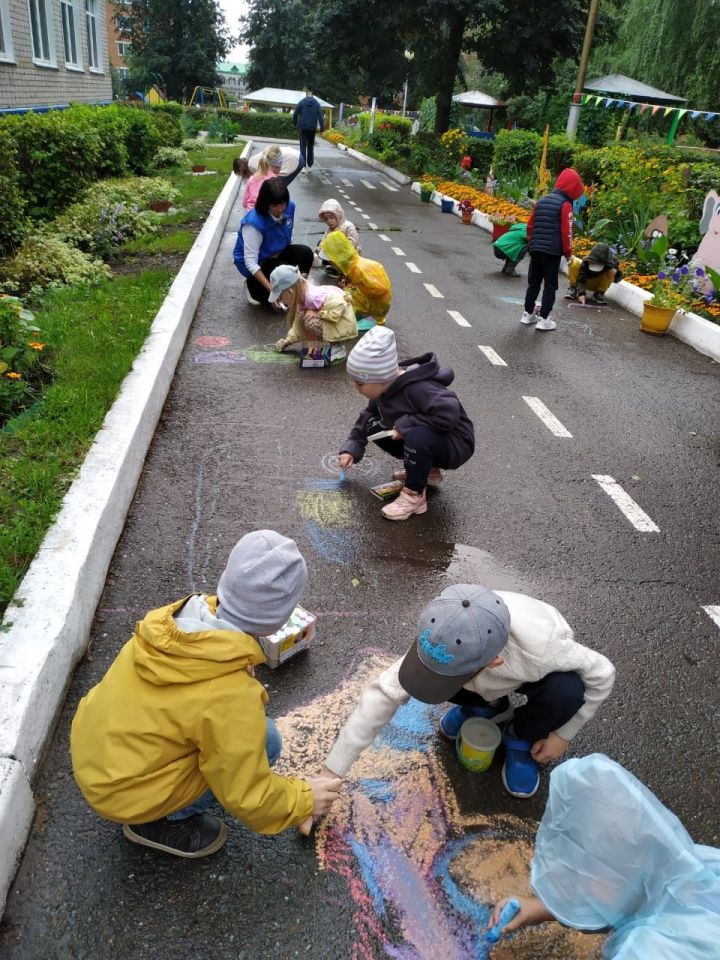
[(658, 227), (709, 250), (490, 183)]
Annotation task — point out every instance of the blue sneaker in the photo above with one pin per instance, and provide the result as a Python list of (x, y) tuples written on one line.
[(456, 716), (520, 772)]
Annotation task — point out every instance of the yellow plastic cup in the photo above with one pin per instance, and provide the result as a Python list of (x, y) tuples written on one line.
[(476, 743)]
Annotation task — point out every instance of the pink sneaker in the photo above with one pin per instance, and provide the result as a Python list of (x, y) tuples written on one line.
[(407, 503), (435, 477)]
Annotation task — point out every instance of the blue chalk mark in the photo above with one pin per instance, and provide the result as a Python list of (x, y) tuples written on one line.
[(342, 476), (331, 483), (380, 790), (515, 300), (334, 546), (412, 728), (466, 906), (366, 865)]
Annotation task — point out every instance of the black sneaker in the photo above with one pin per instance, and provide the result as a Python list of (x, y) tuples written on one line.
[(599, 299), (196, 836)]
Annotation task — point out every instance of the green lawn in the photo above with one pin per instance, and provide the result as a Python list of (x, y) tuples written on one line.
[(92, 337)]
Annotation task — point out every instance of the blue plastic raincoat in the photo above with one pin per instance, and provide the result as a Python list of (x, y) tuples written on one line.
[(609, 854)]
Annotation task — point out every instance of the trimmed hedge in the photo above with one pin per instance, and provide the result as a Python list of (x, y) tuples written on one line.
[(47, 160), (516, 151), (249, 124)]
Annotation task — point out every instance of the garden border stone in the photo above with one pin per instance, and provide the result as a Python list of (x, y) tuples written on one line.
[(395, 175), (697, 332), (49, 630)]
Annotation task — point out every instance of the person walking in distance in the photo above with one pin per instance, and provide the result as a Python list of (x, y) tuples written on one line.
[(549, 234), (308, 118)]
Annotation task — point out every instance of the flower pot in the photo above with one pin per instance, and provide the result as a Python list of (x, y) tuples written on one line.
[(447, 204), (656, 320), (426, 196), (159, 206), (466, 217), (198, 168), (498, 230)]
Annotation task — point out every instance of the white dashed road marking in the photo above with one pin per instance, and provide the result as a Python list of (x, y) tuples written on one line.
[(398, 252), (457, 317), (413, 267), (348, 183), (365, 216), (433, 291), (359, 209), (383, 237), (713, 613), (637, 517), (388, 187), (549, 419), (493, 357), (367, 184), (373, 226)]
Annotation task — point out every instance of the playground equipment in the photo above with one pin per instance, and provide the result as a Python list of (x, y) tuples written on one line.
[(208, 97)]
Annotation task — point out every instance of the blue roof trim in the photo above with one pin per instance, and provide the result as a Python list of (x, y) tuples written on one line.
[(53, 106)]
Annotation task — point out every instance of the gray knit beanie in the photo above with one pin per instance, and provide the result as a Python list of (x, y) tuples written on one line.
[(374, 359), (262, 582)]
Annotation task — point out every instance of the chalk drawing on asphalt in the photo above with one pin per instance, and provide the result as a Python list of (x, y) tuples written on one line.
[(420, 875), (220, 356), (368, 466), (212, 342)]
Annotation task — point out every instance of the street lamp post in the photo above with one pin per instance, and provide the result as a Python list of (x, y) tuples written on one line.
[(409, 55)]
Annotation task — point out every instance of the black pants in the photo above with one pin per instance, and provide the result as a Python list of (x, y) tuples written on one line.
[(295, 254), (552, 701), (421, 449), (508, 262), (543, 272), (307, 146)]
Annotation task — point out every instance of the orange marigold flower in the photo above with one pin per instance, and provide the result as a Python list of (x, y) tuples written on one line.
[(13, 376), (34, 345)]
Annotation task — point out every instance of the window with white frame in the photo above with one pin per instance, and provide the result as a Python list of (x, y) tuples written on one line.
[(123, 48), (6, 46), (41, 31), (71, 40), (91, 25)]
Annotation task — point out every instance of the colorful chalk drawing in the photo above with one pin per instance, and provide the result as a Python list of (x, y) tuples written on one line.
[(327, 513), (220, 356), (266, 353), (422, 877), (212, 342), (367, 467), (515, 300)]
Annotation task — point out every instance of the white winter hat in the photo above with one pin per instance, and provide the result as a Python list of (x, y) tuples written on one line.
[(374, 359)]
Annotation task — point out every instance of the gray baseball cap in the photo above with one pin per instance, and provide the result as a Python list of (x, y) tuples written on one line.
[(458, 634), (281, 279)]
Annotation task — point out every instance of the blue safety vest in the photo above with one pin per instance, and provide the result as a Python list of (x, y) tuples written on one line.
[(276, 235)]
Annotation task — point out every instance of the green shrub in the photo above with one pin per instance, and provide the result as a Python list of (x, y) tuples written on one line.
[(167, 125), (481, 152), (138, 190), (22, 371), (249, 123), (516, 151), (170, 157), (222, 130), (95, 225), (196, 145), (171, 107), (43, 262), (12, 221), (559, 153), (108, 123), (142, 139)]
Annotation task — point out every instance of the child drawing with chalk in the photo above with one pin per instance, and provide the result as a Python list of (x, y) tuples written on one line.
[(367, 279), (473, 648), (178, 721), (609, 855), (314, 313), (412, 415)]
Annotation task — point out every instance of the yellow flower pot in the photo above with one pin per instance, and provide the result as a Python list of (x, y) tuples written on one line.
[(656, 320)]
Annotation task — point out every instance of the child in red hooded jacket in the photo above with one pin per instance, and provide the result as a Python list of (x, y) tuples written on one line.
[(549, 233)]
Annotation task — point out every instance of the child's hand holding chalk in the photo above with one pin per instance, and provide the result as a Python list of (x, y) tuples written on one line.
[(345, 461), (526, 912)]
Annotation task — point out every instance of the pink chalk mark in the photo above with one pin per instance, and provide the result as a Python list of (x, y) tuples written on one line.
[(213, 342)]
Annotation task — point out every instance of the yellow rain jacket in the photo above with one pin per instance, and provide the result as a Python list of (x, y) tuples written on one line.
[(177, 713), (338, 320), (370, 285)]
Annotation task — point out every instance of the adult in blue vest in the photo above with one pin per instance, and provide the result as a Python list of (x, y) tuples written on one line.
[(264, 240)]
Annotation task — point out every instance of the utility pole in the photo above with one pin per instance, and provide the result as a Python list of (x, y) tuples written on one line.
[(574, 115)]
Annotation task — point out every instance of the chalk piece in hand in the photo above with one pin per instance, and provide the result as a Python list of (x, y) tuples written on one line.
[(380, 435)]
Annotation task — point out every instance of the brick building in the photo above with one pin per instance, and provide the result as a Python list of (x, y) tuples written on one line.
[(118, 32), (53, 52)]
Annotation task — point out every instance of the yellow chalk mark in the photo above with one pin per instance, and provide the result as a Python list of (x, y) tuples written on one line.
[(328, 508)]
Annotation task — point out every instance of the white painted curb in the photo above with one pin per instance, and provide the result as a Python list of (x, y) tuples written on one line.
[(60, 591), (697, 332), (377, 165)]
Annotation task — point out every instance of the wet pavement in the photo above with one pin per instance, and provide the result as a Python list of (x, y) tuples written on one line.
[(420, 847)]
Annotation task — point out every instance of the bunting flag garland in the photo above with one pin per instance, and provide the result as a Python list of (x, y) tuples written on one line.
[(630, 105)]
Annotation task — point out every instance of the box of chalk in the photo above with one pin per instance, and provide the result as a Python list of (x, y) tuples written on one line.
[(290, 639), (386, 491)]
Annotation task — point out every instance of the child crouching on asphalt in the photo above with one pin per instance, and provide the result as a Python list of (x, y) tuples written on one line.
[(367, 279), (178, 721), (474, 647), (596, 272), (609, 855), (430, 429), (333, 216), (314, 312), (512, 247)]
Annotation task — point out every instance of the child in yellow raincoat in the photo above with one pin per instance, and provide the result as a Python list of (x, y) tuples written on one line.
[(369, 284), (178, 721), (319, 313)]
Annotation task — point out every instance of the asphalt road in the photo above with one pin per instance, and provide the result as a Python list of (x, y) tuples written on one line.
[(246, 442)]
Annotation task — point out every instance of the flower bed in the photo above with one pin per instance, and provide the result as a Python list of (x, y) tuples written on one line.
[(492, 206)]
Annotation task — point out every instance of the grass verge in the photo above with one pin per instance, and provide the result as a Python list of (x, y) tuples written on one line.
[(93, 334)]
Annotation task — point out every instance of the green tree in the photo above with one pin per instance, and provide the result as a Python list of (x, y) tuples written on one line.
[(176, 44)]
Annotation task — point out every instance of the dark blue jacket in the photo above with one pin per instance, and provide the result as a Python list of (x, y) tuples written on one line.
[(550, 225), (418, 397), (276, 235), (308, 115)]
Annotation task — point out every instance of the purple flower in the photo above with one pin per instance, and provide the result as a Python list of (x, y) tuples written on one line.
[(684, 271), (675, 277), (699, 272), (662, 275)]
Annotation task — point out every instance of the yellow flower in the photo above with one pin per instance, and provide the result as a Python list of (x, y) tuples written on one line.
[(13, 376), (34, 345)]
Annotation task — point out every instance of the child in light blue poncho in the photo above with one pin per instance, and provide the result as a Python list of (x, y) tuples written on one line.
[(609, 855)]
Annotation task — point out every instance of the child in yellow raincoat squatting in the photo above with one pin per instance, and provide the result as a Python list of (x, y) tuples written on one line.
[(369, 284), (178, 721)]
